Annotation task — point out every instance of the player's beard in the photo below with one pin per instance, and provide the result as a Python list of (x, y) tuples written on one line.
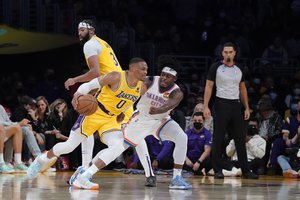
[(84, 39)]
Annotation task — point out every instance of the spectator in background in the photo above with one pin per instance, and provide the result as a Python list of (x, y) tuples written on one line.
[(160, 154), (289, 139), (199, 145), (58, 111), (208, 123), (270, 124), (293, 96), (285, 160), (255, 146), (13, 131), (276, 53), (22, 116)]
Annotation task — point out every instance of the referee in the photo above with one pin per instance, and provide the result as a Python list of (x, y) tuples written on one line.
[(228, 116)]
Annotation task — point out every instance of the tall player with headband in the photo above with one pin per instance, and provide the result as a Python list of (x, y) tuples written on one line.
[(101, 60), (151, 118)]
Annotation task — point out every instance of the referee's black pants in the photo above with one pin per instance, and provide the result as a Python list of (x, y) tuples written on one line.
[(228, 116)]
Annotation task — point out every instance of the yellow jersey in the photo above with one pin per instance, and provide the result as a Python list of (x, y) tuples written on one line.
[(107, 58), (114, 102)]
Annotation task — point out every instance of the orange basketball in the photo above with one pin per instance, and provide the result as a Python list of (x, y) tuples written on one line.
[(87, 104)]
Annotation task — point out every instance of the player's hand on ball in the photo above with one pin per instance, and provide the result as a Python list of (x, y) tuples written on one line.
[(120, 117), (75, 99)]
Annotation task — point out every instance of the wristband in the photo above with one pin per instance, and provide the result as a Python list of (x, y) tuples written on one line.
[(198, 161)]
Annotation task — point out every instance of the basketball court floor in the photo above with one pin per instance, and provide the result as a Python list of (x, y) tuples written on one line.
[(118, 186)]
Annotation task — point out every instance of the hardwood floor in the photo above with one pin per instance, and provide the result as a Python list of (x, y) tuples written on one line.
[(116, 185)]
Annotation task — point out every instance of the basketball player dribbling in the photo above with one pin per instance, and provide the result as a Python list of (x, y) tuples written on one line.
[(116, 92)]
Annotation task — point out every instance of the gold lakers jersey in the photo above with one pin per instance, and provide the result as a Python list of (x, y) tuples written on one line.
[(115, 102), (107, 58)]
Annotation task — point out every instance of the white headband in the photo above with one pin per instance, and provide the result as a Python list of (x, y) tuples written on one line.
[(169, 71), (84, 25)]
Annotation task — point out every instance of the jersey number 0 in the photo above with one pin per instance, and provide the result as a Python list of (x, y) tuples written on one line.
[(120, 104)]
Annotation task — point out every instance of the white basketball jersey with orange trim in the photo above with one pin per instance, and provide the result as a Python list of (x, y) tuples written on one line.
[(154, 98)]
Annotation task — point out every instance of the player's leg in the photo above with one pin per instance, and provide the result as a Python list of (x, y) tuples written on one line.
[(114, 141), (87, 147), (3, 167), (142, 151), (170, 130), (134, 134), (15, 132), (44, 161)]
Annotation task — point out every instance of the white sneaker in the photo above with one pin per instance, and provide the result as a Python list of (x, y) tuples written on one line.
[(83, 182), (227, 172), (47, 162), (236, 171)]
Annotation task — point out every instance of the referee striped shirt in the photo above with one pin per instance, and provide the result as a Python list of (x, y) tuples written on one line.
[(227, 80)]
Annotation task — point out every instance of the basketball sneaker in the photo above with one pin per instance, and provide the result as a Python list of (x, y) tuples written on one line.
[(150, 181), (34, 168), (5, 169), (40, 164), (78, 171), (179, 183), (83, 182)]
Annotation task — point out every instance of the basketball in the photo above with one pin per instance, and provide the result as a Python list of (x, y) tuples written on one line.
[(87, 104)]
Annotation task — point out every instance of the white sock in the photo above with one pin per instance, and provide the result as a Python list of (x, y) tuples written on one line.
[(176, 172), (92, 170), (1, 158), (17, 158)]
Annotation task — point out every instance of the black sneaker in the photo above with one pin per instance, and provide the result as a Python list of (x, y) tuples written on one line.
[(250, 175), (150, 181), (219, 175)]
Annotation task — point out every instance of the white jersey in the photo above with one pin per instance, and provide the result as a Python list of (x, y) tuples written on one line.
[(154, 98)]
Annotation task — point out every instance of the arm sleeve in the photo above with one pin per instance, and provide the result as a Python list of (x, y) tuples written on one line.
[(89, 86), (91, 48)]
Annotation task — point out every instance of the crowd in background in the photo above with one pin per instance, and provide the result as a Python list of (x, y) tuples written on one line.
[(263, 28)]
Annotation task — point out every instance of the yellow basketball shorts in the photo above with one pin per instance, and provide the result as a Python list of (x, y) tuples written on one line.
[(99, 121)]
